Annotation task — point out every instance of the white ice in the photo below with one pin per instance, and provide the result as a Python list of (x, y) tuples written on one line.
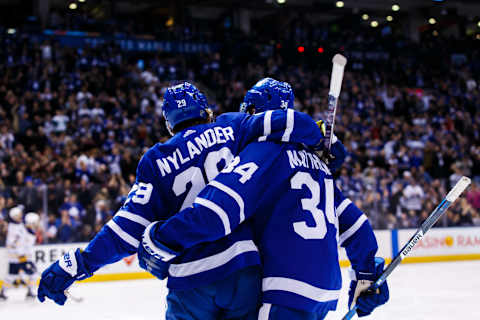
[(448, 290)]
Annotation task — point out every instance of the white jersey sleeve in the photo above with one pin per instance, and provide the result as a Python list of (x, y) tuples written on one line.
[(19, 242)]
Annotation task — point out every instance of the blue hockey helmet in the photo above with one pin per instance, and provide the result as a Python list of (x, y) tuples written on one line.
[(184, 102), (268, 94)]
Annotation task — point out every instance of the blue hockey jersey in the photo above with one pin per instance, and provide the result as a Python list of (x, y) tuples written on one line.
[(298, 216), (169, 177)]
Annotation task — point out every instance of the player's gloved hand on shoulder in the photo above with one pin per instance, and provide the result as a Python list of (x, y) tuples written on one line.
[(335, 157), (60, 275), (153, 255), (359, 294)]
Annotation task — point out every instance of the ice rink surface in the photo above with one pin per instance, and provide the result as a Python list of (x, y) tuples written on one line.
[(448, 290)]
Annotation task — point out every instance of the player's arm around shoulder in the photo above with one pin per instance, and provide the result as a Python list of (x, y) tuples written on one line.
[(280, 126), (120, 237), (226, 202)]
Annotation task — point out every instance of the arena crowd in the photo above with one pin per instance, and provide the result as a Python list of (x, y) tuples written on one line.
[(75, 122)]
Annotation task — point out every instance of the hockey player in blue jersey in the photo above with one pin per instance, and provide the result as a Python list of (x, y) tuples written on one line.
[(169, 177), (299, 218), (257, 100)]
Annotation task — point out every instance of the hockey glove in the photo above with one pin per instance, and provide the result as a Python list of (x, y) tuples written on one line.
[(154, 256), (60, 275), (365, 300), (335, 157), (322, 126)]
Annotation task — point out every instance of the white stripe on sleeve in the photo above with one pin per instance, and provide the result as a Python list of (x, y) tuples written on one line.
[(289, 127), (218, 210), (264, 311), (122, 234), (133, 217), (211, 262), (267, 125), (354, 228), (232, 194), (342, 206), (299, 287)]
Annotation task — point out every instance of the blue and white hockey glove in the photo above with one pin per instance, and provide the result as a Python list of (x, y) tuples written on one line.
[(60, 275), (154, 256), (367, 301)]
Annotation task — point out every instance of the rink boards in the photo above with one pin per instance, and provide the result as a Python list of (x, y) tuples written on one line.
[(439, 244)]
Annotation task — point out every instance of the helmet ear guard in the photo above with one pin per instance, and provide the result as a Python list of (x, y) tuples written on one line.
[(168, 125), (204, 114)]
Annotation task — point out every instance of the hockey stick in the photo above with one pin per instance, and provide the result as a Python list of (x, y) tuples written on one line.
[(461, 185), (74, 298), (336, 78)]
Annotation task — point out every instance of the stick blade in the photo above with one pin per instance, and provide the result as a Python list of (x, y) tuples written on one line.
[(338, 67), (340, 60), (457, 190)]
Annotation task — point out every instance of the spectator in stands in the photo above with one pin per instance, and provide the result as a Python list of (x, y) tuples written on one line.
[(65, 227), (466, 213), (86, 234), (51, 229), (29, 196), (74, 208), (102, 213), (473, 196), (3, 221), (413, 195), (78, 121)]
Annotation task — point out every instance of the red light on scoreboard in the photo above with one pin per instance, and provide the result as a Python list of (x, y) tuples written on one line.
[(301, 49), (279, 46), (320, 50)]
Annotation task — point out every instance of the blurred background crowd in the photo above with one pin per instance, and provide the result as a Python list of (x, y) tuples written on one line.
[(74, 122)]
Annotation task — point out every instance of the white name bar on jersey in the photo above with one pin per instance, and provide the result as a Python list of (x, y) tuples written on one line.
[(195, 146), (306, 160)]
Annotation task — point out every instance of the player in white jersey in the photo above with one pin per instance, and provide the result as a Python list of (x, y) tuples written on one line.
[(20, 241)]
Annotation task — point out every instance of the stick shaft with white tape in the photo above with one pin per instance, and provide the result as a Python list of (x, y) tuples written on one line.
[(454, 193), (336, 79), (72, 297)]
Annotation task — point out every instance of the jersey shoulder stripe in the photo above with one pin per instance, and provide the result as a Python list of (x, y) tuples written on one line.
[(122, 234), (133, 217), (232, 193), (342, 206), (289, 127), (354, 228), (218, 210), (267, 125)]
